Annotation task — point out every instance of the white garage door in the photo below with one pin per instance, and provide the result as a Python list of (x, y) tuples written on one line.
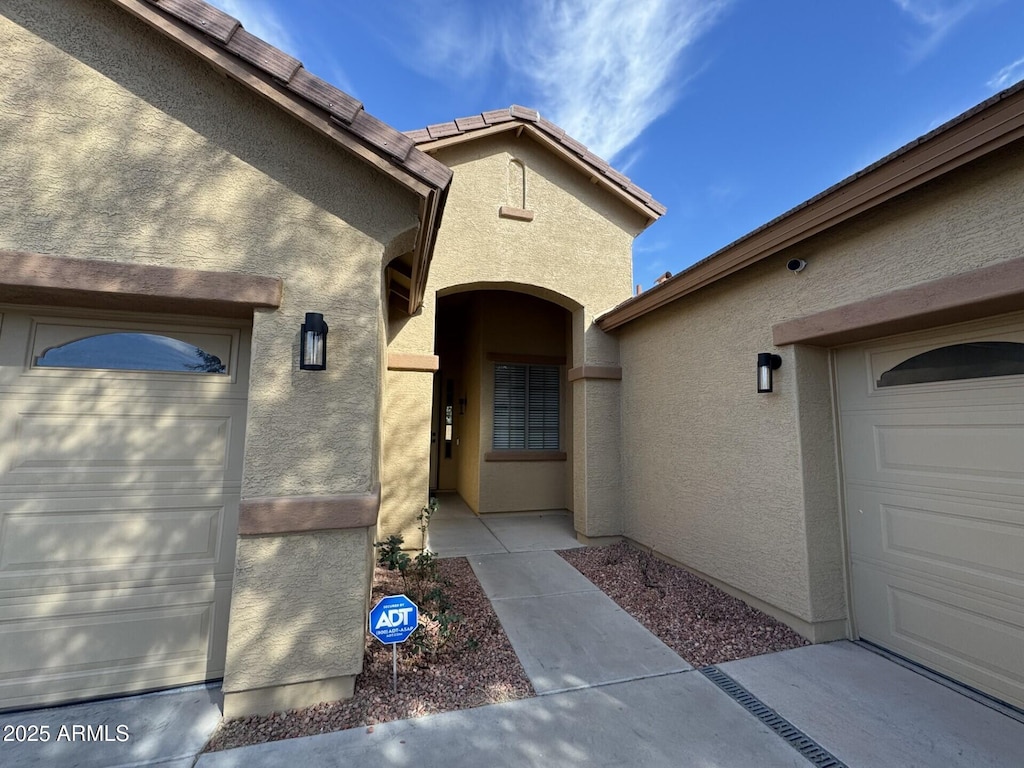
[(933, 454), (120, 470)]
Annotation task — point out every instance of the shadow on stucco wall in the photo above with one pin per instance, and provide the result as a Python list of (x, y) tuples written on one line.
[(117, 145)]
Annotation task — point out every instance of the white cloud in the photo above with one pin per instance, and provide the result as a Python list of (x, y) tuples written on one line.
[(937, 18), (603, 70), (1007, 76), (606, 69)]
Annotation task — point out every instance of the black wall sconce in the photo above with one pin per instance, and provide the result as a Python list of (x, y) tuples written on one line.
[(313, 343), (766, 363), (462, 405)]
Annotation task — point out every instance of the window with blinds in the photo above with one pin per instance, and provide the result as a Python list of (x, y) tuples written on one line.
[(526, 407)]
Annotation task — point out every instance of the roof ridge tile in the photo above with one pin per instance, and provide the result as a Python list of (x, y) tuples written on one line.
[(495, 116), (203, 16), (524, 113)]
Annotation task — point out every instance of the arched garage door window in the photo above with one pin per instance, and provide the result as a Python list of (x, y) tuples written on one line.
[(974, 360), (132, 352)]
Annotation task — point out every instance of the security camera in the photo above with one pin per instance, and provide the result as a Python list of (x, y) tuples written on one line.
[(796, 265)]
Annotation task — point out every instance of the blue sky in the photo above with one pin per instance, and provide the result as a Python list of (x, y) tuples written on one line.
[(729, 112)]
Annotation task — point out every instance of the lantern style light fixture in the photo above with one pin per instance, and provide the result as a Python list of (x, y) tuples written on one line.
[(313, 343), (766, 363)]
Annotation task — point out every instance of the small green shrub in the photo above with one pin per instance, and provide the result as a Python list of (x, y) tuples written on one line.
[(390, 554)]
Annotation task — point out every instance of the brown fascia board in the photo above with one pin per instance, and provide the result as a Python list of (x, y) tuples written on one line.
[(220, 40), (989, 126)]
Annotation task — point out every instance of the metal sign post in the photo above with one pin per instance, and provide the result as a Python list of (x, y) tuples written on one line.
[(392, 620)]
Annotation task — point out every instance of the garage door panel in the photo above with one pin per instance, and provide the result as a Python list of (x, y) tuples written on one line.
[(975, 450), (48, 542), (106, 642), (976, 543), (75, 446), (979, 641)]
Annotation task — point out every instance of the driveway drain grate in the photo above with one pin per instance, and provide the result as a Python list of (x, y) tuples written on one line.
[(796, 738)]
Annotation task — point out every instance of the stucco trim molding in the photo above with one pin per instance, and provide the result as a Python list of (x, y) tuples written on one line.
[(979, 293), (609, 372), (519, 214), (303, 514), (403, 361), (40, 279), (525, 456)]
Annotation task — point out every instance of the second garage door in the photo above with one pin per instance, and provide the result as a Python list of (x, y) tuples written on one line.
[(120, 469), (933, 454)]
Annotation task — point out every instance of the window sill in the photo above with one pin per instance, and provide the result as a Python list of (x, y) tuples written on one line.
[(525, 456)]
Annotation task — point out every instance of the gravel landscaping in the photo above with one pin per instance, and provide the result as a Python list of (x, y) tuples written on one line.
[(476, 664), (698, 621)]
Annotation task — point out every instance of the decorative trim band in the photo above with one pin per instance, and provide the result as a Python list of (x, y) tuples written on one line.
[(519, 214), (402, 361), (304, 514), (525, 456), (35, 278), (979, 293), (611, 372)]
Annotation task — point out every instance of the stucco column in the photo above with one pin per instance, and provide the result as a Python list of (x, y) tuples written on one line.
[(405, 470), (597, 467), (308, 514)]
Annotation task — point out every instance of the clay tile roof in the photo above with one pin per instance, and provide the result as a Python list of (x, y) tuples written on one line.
[(496, 116), (263, 55), (470, 123), (344, 111), (440, 130), (499, 119), (523, 113)]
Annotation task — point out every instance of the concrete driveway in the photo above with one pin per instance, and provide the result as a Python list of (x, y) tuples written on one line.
[(610, 694)]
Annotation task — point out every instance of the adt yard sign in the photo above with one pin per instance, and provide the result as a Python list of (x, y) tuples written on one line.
[(393, 619)]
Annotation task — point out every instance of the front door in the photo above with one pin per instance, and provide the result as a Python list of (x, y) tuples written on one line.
[(448, 440)]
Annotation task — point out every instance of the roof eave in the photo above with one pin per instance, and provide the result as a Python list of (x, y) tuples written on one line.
[(420, 174), (991, 125)]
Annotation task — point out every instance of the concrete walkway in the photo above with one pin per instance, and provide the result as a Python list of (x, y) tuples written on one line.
[(165, 729), (609, 692)]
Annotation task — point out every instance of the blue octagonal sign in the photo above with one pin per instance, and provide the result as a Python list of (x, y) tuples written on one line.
[(393, 619)]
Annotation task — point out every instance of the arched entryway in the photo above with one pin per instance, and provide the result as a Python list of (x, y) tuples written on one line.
[(501, 425)]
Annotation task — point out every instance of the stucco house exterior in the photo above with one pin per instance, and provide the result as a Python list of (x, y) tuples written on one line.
[(174, 183), (181, 501), (878, 491)]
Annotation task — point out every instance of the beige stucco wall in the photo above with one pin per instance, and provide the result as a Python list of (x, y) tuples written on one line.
[(576, 253), (117, 145), (743, 487)]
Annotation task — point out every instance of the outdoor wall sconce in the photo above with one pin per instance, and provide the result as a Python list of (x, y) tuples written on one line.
[(766, 363), (313, 343)]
